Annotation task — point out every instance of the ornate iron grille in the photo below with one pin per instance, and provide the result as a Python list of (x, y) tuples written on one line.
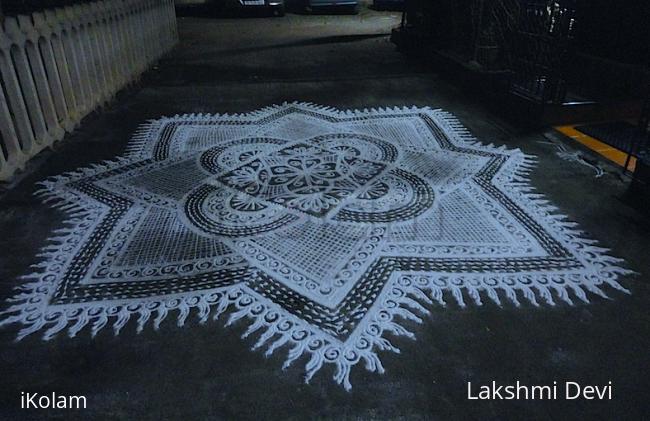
[(531, 38), (539, 49)]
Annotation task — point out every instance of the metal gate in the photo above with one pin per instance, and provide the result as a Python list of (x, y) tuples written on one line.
[(540, 49)]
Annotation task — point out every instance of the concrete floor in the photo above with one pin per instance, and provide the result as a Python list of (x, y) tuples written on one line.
[(208, 372)]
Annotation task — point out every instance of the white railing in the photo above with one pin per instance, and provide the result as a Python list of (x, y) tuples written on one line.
[(58, 65)]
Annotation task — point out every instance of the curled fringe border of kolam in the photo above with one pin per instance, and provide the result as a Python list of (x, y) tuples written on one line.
[(404, 297)]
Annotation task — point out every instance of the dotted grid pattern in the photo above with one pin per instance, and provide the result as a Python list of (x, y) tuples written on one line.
[(173, 181), (163, 238), (408, 133), (455, 219), (314, 248), (203, 137), (296, 128), (444, 169)]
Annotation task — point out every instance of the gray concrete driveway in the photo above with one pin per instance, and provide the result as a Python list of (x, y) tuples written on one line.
[(208, 371)]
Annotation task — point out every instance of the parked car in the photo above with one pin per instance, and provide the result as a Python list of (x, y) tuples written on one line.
[(277, 6), (220, 6), (316, 4)]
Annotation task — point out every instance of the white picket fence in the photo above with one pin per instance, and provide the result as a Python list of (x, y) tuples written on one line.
[(58, 65)]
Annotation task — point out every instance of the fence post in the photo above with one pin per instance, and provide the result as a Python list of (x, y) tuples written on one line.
[(40, 77), (58, 65)]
